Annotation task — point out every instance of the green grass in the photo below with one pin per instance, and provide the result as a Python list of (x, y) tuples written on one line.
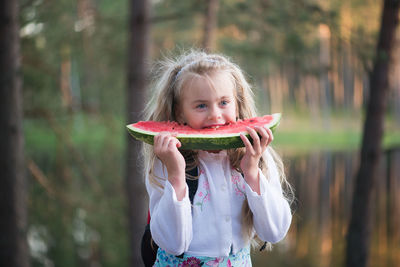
[(317, 140), (338, 132), (297, 132), (83, 131)]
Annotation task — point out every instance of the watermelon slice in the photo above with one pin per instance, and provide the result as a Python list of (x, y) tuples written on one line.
[(223, 137)]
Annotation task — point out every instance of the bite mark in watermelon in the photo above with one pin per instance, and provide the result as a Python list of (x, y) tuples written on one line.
[(223, 137)]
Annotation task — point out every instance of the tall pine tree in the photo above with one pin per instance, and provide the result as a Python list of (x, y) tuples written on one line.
[(138, 54), (13, 211), (358, 238)]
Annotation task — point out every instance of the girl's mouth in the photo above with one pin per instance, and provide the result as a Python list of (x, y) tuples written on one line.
[(214, 126)]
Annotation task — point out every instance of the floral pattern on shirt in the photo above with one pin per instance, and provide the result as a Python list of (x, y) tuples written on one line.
[(238, 185), (203, 193)]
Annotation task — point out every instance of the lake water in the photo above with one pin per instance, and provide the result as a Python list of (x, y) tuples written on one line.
[(72, 224), (324, 186)]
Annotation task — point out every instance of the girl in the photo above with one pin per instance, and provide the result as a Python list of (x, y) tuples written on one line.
[(239, 194)]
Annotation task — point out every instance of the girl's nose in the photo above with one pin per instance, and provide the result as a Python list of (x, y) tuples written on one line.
[(214, 114)]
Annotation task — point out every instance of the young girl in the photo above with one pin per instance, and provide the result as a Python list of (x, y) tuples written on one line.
[(239, 194)]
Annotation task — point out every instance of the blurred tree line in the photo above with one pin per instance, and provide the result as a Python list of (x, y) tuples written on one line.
[(290, 50), (308, 56)]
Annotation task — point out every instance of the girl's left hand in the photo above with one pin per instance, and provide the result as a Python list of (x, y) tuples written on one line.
[(262, 137)]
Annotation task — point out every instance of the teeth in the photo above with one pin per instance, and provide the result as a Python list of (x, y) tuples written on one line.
[(214, 127)]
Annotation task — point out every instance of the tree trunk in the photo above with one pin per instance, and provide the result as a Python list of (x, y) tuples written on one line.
[(13, 212), (210, 25), (358, 238), (138, 54)]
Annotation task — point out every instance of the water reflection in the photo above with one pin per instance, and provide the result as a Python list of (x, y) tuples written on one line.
[(324, 187)]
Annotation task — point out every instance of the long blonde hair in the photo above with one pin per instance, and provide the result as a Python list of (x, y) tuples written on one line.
[(170, 75)]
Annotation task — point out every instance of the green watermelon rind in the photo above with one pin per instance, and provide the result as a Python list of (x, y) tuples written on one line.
[(203, 142)]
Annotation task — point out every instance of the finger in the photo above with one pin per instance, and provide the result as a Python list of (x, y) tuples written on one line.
[(165, 140), (157, 140), (178, 143), (247, 144), (264, 136), (174, 143), (170, 143), (271, 136), (254, 136)]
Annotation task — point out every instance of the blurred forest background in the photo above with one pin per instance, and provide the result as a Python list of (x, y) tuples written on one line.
[(308, 59)]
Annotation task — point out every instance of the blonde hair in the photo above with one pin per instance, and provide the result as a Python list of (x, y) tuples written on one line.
[(170, 76)]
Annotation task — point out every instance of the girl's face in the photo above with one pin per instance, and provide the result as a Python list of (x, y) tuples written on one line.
[(208, 102)]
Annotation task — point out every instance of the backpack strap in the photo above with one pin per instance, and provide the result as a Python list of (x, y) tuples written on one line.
[(192, 183)]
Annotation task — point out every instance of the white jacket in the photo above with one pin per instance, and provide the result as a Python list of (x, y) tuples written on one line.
[(212, 226)]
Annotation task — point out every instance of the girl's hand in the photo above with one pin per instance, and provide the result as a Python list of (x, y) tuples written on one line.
[(166, 149), (251, 158)]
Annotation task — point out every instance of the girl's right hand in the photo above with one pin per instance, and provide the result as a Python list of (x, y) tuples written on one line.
[(166, 149)]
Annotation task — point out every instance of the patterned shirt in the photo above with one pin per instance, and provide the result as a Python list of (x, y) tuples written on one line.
[(212, 226)]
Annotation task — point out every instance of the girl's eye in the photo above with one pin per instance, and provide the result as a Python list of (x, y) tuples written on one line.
[(224, 102), (201, 106)]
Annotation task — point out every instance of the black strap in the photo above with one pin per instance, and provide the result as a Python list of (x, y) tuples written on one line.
[(192, 183), (148, 248), (263, 246)]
